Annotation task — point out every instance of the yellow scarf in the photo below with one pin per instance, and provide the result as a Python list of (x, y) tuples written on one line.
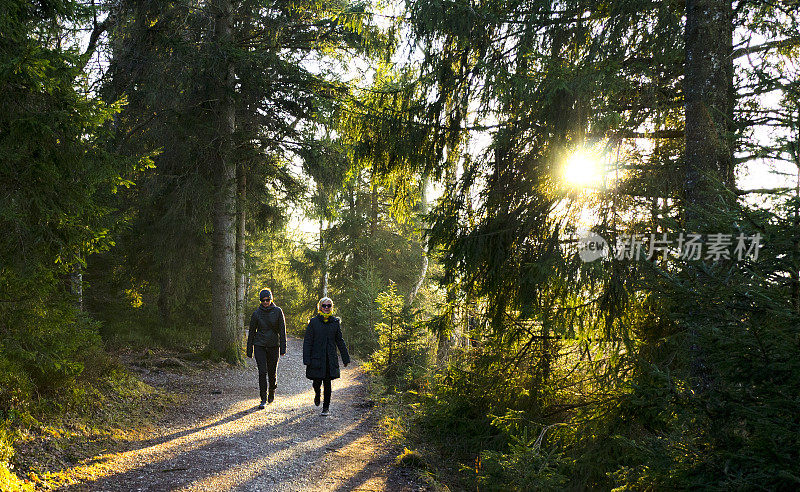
[(325, 316)]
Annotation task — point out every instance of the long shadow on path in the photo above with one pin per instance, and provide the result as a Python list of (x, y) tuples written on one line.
[(207, 457), (237, 447)]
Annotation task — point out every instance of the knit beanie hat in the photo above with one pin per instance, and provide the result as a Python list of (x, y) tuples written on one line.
[(265, 293)]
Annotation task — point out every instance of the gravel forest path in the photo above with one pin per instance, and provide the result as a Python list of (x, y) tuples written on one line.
[(220, 441)]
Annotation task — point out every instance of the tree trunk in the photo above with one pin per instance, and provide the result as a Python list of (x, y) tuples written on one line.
[(448, 334), (373, 202), (325, 258), (76, 284), (709, 100), (794, 274), (241, 281), (708, 92), (424, 267), (224, 338)]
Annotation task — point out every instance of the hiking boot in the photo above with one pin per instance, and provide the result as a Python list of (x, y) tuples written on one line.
[(325, 412), (316, 396), (261, 405), (271, 396)]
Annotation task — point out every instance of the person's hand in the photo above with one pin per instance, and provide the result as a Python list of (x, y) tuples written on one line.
[(345, 364), (283, 353)]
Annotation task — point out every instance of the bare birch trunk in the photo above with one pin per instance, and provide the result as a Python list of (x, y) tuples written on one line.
[(76, 284), (373, 204), (325, 257), (424, 267)]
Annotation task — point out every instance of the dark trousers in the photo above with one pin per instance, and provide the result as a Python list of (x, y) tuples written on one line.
[(326, 398), (267, 362)]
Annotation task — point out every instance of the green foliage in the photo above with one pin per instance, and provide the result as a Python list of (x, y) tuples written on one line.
[(57, 172), (410, 459), (169, 66), (360, 308), (44, 349), (522, 467), (278, 262), (52, 362), (143, 328), (524, 463), (367, 240), (130, 307), (550, 373), (58, 176), (659, 371), (402, 342), (728, 425)]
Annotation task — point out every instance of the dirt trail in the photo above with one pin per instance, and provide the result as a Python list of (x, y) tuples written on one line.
[(219, 441)]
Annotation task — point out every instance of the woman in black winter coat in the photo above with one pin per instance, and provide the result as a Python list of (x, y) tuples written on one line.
[(266, 336), (323, 336)]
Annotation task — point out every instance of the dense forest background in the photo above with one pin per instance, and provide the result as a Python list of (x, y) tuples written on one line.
[(162, 161)]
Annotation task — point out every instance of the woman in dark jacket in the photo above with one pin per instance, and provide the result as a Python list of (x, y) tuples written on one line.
[(323, 336), (266, 337)]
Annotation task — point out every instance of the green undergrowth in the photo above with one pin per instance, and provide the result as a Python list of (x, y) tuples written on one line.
[(41, 443), (439, 439), (459, 435), (63, 396), (139, 329)]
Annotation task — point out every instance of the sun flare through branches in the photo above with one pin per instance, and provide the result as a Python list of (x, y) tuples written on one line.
[(584, 168)]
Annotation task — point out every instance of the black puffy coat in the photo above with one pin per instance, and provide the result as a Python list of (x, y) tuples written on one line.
[(319, 346), (267, 329)]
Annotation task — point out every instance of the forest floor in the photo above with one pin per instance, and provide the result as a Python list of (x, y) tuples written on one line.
[(217, 439)]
